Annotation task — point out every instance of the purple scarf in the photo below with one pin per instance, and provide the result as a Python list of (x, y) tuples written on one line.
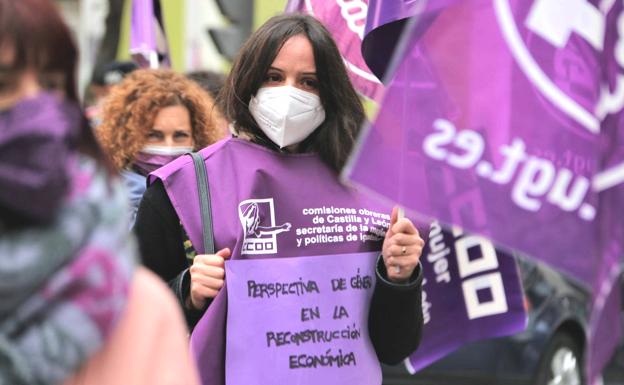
[(35, 140), (145, 164)]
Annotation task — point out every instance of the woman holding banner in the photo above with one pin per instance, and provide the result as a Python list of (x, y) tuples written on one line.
[(275, 198)]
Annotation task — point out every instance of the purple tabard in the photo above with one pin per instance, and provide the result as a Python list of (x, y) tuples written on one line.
[(267, 205)]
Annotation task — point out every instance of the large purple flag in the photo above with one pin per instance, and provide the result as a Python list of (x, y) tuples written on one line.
[(505, 117)]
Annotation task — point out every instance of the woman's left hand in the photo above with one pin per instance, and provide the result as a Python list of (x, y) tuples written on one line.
[(402, 248)]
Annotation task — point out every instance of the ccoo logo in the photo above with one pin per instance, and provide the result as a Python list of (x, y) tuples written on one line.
[(257, 216)]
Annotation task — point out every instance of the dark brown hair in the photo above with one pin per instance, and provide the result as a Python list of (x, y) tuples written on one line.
[(344, 113), (41, 41)]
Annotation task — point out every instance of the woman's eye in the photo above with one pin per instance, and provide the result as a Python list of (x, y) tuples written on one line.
[(181, 134), (310, 83), (154, 135), (272, 78)]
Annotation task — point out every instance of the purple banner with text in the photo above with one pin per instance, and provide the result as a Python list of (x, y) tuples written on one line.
[(310, 321)]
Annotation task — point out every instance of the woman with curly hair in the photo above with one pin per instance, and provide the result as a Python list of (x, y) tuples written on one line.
[(149, 119)]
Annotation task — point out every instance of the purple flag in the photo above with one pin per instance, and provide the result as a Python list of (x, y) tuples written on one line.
[(505, 117), (385, 23), (310, 321), (148, 44)]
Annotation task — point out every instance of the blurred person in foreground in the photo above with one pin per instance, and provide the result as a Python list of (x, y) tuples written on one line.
[(67, 262), (150, 118)]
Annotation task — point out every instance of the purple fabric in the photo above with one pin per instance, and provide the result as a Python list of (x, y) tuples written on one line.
[(471, 283), (312, 332), (382, 12), (147, 33), (142, 33), (495, 117), (294, 6), (35, 140), (385, 23), (147, 163)]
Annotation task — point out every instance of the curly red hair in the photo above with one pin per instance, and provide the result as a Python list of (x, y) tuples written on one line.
[(131, 108)]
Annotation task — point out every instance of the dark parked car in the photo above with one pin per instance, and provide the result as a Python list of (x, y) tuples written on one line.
[(549, 352)]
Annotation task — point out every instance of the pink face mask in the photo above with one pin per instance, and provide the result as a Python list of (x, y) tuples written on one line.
[(151, 158)]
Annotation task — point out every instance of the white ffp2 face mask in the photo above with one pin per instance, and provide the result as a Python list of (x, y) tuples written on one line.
[(287, 115)]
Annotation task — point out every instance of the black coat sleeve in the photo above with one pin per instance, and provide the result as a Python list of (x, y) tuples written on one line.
[(160, 238), (395, 319)]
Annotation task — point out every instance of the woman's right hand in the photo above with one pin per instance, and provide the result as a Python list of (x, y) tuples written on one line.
[(207, 274)]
